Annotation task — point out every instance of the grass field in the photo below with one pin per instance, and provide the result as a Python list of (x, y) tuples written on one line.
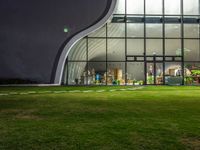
[(102, 118)]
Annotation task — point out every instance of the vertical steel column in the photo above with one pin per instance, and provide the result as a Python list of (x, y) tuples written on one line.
[(87, 64), (163, 23), (126, 73), (145, 63), (106, 53), (182, 41)]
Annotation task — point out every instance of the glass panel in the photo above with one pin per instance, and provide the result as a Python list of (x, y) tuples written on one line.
[(135, 30), (192, 73), (191, 7), (191, 30), (154, 47), (96, 73), (172, 7), (116, 73), (172, 30), (135, 73), (65, 74), (135, 6), (77, 73), (154, 30), (150, 73), (116, 30), (173, 73), (173, 47), (96, 49), (191, 50), (159, 73), (135, 46), (120, 7), (116, 49), (78, 51), (153, 6), (99, 33)]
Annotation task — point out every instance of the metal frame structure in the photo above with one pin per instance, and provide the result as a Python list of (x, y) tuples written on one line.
[(145, 58)]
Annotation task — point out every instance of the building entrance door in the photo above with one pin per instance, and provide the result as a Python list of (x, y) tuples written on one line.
[(154, 73)]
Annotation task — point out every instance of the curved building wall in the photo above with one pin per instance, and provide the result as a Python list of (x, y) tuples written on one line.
[(31, 35), (141, 44)]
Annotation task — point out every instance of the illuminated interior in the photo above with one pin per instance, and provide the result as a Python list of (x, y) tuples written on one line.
[(142, 44)]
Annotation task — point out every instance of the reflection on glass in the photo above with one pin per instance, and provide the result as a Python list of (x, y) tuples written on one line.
[(120, 7), (116, 30), (116, 50), (191, 50), (96, 49), (78, 51), (154, 47), (173, 73), (154, 6), (172, 7), (154, 30), (191, 7), (135, 6), (135, 30), (173, 47), (173, 30), (135, 46), (191, 30), (77, 73)]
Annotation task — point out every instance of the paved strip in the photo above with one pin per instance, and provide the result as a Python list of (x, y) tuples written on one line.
[(99, 91), (88, 91), (72, 91)]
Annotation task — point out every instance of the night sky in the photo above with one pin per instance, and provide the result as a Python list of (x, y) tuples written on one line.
[(31, 33)]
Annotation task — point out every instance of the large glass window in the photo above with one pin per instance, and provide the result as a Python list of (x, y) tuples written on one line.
[(120, 7), (173, 73), (79, 51), (116, 30), (135, 46), (154, 47), (154, 6), (172, 7), (154, 30), (96, 49), (135, 73), (192, 73), (116, 73), (173, 47), (172, 30), (191, 7), (78, 73), (96, 73), (191, 50), (135, 6), (116, 50), (135, 30), (191, 30)]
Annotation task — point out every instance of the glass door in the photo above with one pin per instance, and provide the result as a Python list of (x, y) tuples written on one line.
[(154, 74), (159, 73), (150, 74)]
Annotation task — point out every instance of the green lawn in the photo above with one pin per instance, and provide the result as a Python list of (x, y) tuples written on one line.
[(154, 117)]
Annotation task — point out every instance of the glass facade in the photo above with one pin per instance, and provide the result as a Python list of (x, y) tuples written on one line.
[(142, 44)]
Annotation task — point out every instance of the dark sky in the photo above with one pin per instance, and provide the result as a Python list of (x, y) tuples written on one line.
[(31, 33)]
